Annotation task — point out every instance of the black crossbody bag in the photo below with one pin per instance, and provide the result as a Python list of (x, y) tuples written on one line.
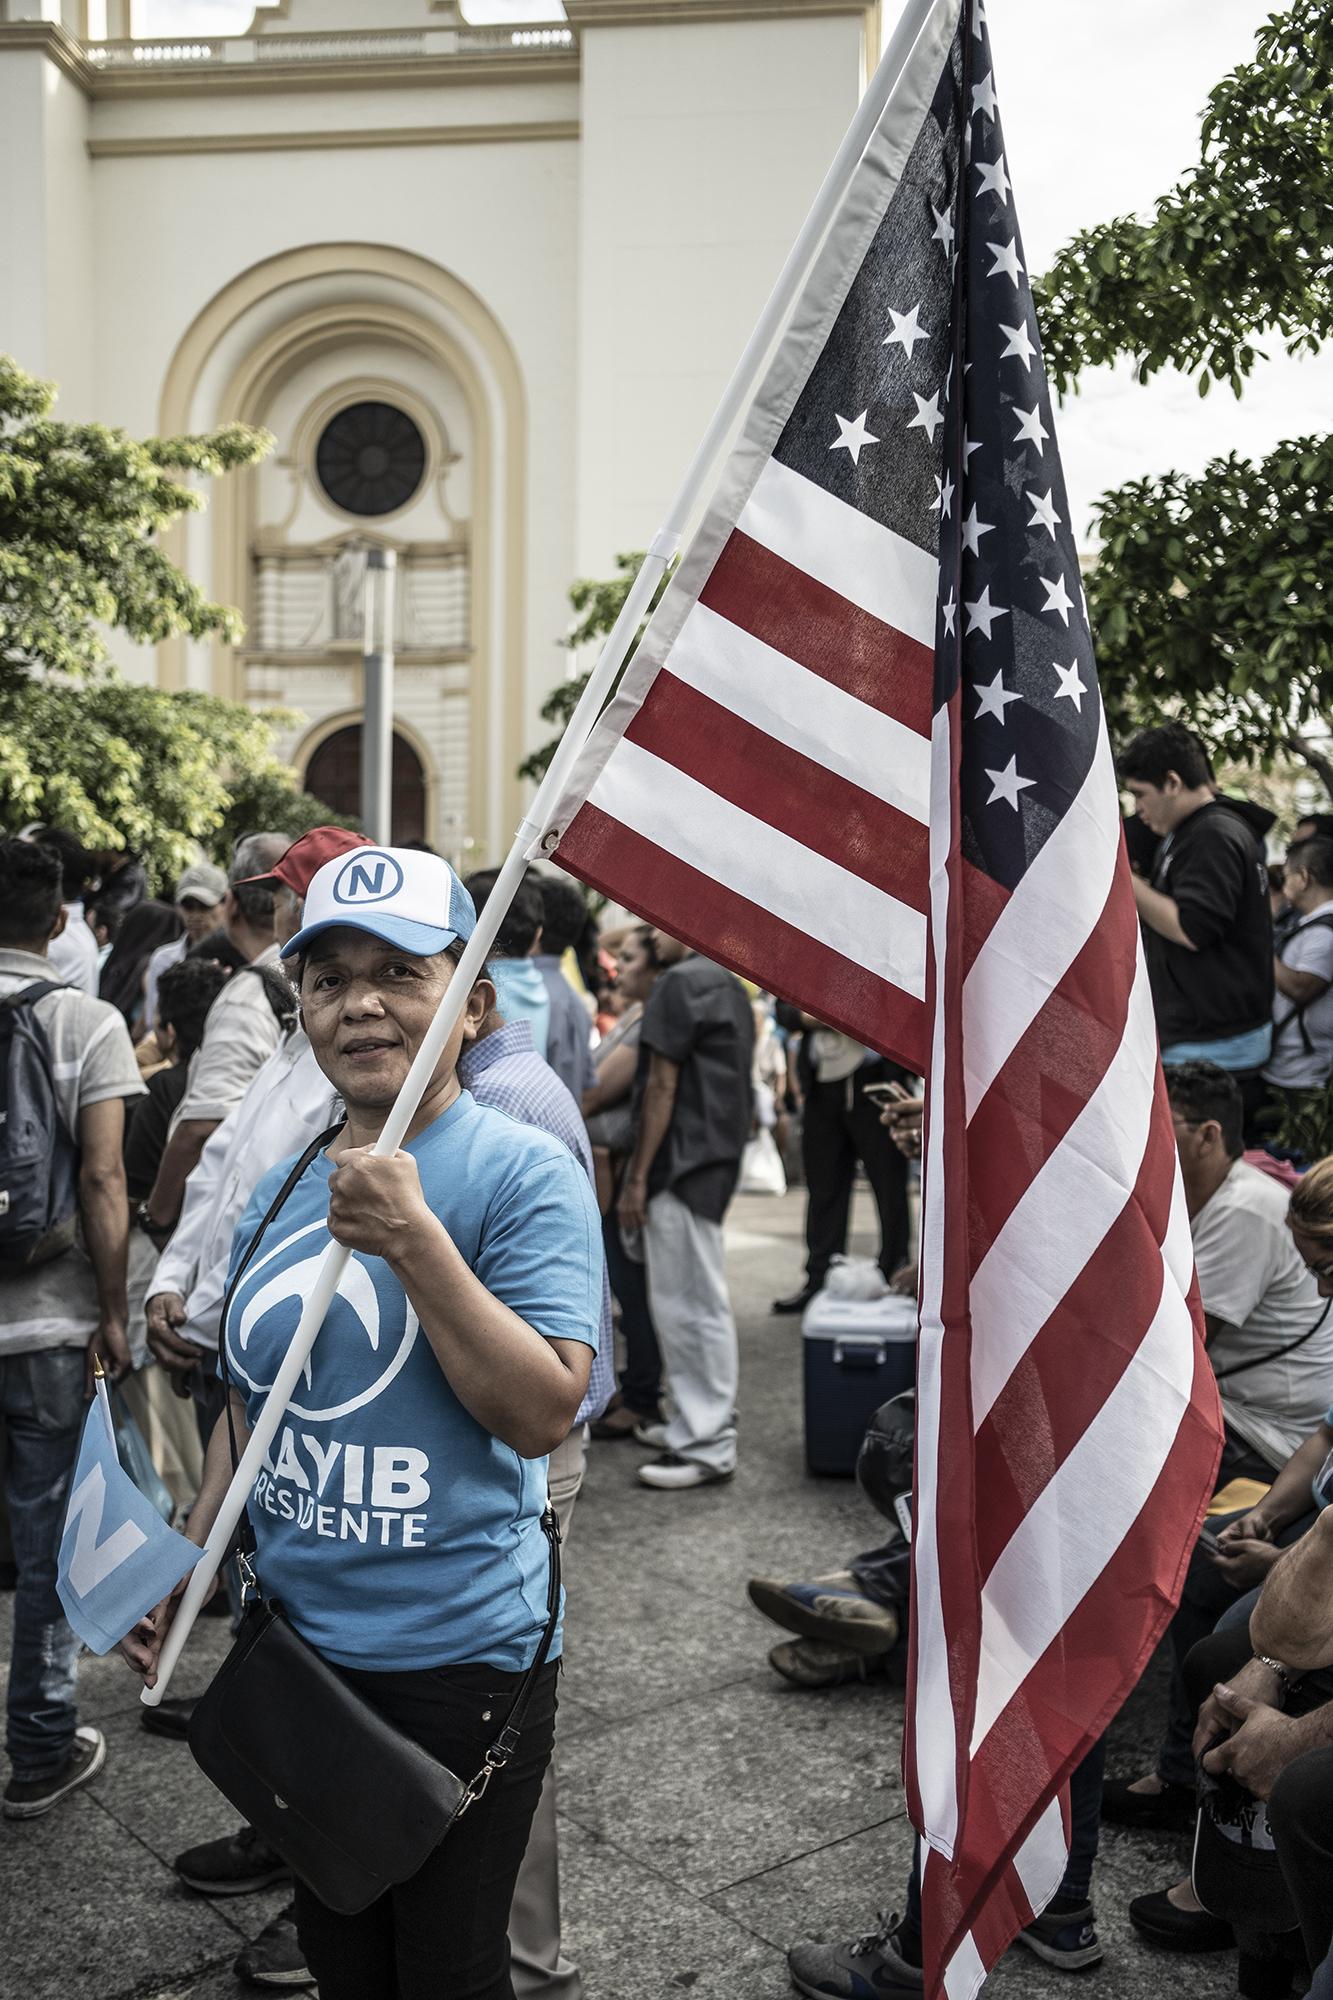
[(349, 1802)]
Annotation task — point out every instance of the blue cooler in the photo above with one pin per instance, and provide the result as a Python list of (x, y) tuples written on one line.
[(858, 1353)]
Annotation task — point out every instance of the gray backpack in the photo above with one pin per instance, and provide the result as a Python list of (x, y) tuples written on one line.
[(39, 1160)]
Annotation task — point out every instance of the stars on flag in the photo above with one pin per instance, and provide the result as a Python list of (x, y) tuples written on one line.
[(929, 415), (1006, 263), (1057, 597), (974, 529), (853, 437), (981, 614), (1071, 687), (1031, 429), (983, 98), (907, 330), (943, 231), (994, 178), (944, 490), (1043, 513), (1007, 784), (993, 699), (1018, 343), (949, 607)]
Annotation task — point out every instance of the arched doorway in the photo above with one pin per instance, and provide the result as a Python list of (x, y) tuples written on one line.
[(334, 775)]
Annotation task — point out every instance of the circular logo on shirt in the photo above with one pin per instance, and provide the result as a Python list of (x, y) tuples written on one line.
[(364, 1352), (367, 876)]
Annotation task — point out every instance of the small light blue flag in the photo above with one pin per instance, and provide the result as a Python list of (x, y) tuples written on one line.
[(118, 1557)]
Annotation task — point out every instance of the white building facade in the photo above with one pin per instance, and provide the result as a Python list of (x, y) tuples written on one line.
[(483, 284)]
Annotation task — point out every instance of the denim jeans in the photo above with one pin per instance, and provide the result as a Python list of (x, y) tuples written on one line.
[(41, 1408)]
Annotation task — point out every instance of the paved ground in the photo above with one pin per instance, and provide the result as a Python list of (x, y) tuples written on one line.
[(711, 1814)]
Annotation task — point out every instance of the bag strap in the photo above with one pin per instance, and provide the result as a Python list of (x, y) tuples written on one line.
[(28, 996), (506, 1742), (1321, 922), (246, 1538), (1278, 1354)]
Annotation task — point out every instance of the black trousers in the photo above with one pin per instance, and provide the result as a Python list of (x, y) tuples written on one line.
[(442, 1934), (840, 1125), (1300, 1808), (641, 1378)]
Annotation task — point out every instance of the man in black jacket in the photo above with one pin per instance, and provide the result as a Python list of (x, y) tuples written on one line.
[(1207, 923)]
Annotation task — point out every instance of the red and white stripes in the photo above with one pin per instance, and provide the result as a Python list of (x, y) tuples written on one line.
[(768, 794), (1067, 1419)]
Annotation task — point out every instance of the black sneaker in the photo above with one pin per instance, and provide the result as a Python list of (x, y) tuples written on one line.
[(275, 1958), (1065, 1938), (28, 1798), (234, 1866)]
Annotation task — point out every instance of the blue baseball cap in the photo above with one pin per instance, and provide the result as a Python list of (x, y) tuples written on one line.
[(410, 899)]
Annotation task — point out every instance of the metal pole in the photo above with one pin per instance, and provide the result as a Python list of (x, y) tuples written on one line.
[(377, 696), (549, 793)]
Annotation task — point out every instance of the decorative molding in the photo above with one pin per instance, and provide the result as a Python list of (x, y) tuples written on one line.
[(400, 72), (55, 43), (654, 13), (213, 74), (346, 138), (498, 410)]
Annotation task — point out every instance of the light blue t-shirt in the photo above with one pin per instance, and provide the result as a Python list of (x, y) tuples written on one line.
[(394, 1529)]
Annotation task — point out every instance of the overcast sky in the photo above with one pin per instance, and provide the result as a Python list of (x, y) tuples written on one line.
[(1100, 101)]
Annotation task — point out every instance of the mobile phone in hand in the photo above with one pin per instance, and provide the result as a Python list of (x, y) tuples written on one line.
[(888, 1093)]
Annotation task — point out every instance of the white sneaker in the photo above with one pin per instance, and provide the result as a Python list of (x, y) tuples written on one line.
[(673, 1474), (653, 1435)]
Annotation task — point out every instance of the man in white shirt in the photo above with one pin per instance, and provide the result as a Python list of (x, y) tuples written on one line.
[(1270, 1335), (199, 897), (1303, 1004), (243, 1027)]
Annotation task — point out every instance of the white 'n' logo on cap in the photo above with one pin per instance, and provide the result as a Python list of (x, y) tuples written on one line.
[(368, 878)]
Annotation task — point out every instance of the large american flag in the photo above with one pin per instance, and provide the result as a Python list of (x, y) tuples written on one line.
[(861, 756)]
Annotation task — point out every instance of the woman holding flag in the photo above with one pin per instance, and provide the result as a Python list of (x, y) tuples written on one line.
[(398, 1515)]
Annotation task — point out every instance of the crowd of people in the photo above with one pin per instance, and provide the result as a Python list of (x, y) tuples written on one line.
[(199, 1085)]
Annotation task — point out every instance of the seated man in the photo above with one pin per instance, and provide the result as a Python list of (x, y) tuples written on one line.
[(1270, 1340), (1265, 1688)]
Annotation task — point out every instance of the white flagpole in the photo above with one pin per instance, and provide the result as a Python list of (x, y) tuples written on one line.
[(552, 788)]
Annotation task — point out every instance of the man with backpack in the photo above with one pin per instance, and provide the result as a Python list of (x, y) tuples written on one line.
[(244, 1026), (66, 1068), (1303, 969)]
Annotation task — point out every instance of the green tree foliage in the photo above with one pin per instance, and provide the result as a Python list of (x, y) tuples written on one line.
[(596, 607), (81, 507), (1241, 247), (1210, 599), (127, 766), (120, 765)]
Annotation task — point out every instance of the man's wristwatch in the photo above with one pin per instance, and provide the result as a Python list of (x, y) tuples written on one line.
[(1284, 1674), (144, 1221)]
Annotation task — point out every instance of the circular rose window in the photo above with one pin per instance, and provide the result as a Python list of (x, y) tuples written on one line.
[(370, 459)]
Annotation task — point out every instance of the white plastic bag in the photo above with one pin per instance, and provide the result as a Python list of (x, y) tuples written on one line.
[(761, 1166)]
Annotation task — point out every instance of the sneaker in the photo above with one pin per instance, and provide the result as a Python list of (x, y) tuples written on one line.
[(652, 1434), (275, 1958), (1066, 1938), (234, 1866), (818, 1663), (870, 1968), (29, 1798), (673, 1474), (828, 1607)]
